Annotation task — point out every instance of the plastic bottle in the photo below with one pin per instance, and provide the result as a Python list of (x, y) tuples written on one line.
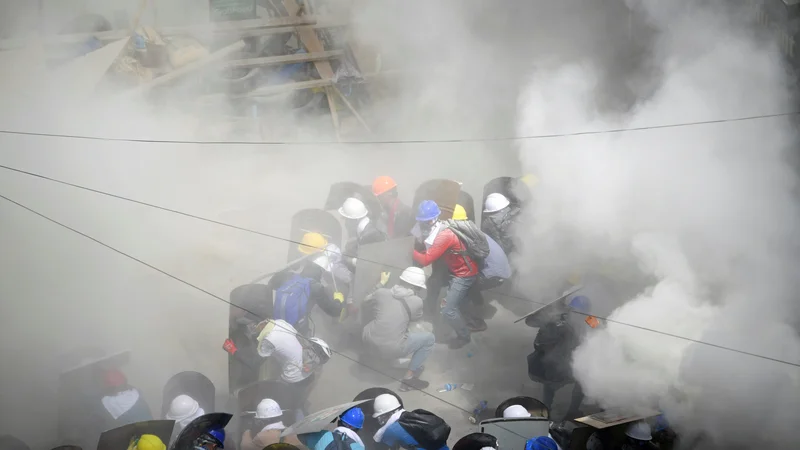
[(476, 412), (449, 387)]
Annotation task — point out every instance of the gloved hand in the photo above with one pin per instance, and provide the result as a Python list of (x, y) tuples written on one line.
[(339, 297), (229, 346), (385, 278)]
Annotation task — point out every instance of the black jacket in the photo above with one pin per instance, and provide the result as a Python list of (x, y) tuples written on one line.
[(318, 296), (551, 360), (499, 226)]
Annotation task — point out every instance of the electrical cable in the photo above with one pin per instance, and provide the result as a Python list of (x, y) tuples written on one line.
[(236, 227), (410, 141)]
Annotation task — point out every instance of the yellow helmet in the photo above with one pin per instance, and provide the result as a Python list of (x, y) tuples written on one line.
[(150, 442), (459, 213), (575, 278), (312, 243), (530, 180)]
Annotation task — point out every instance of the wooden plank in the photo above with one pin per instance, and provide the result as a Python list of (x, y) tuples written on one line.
[(287, 87), (310, 41), (283, 59), (334, 113)]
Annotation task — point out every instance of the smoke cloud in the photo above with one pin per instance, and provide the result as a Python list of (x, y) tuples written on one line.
[(706, 216)]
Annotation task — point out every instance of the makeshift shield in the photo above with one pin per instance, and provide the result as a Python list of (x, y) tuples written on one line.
[(513, 189), (122, 437), (60, 447), (313, 221), (340, 192), (257, 299), (512, 434), (536, 408), (538, 317), (388, 256), (248, 397), (8, 442), (80, 419), (466, 201), (615, 416), (476, 441), (198, 427), (319, 420), (444, 192), (193, 384)]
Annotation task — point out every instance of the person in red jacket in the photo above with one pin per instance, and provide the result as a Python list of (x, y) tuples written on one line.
[(441, 242)]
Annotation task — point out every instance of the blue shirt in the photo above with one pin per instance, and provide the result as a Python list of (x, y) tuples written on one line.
[(322, 439), (496, 264), (396, 436)]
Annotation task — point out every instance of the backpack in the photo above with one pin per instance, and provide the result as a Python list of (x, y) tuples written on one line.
[(291, 300), (477, 247), (429, 430), (340, 441)]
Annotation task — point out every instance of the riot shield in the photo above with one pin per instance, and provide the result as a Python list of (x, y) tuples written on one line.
[(121, 438), (8, 442), (512, 434), (371, 425), (60, 447), (199, 426), (443, 192), (248, 398), (320, 419), (476, 441), (340, 192), (466, 201), (193, 384), (540, 316), (536, 408), (81, 418), (388, 256), (257, 300), (313, 220)]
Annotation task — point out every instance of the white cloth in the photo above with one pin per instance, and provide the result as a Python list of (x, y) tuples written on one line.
[(417, 233), (119, 404), (379, 434), (274, 426), (288, 351), (184, 422), (350, 433)]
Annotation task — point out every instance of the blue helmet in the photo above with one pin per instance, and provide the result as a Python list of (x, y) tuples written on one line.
[(216, 435), (541, 443), (353, 417), (580, 303), (428, 210)]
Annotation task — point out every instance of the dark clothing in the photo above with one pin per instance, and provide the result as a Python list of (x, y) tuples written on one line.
[(552, 355), (549, 393), (398, 219), (499, 225), (318, 296)]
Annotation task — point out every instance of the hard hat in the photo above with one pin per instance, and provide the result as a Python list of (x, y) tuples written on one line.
[(353, 208), (362, 224), (182, 407), (150, 442), (323, 262), (541, 443), (353, 417), (216, 435), (639, 430), (574, 278), (385, 403), (428, 210), (530, 180), (382, 185), (580, 303), (321, 346), (459, 213), (267, 409), (334, 253), (515, 411), (414, 276), (495, 202), (312, 243)]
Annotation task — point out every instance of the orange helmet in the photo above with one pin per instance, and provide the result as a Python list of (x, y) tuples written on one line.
[(382, 185)]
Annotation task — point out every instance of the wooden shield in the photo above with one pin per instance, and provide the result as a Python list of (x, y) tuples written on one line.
[(316, 221), (444, 192), (387, 256), (193, 384)]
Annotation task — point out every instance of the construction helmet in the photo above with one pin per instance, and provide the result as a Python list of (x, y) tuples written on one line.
[(353, 417), (362, 224), (150, 442), (639, 430), (459, 213), (580, 303), (530, 180), (541, 443), (312, 243), (182, 407), (353, 208), (515, 411), (428, 210), (321, 348), (267, 409), (414, 276), (215, 436), (382, 185), (385, 403), (323, 261), (495, 202)]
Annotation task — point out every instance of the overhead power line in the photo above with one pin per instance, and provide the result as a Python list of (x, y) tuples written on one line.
[(402, 141), (248, 230)]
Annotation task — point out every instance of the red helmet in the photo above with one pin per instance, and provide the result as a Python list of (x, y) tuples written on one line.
[(114, 378), (382, 185)]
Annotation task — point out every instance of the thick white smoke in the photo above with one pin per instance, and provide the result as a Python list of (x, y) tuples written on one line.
[(706, 212)]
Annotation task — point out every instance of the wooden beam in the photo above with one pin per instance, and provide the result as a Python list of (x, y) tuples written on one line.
[(283, 59), (287, 87), (310, 41)]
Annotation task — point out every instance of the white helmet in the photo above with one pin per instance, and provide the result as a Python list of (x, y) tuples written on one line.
[(267, 409), (182, 407), (495, 202), (639, 430), (322, 346), (323, 261), (353, 208), (414, 276), (362, 224), (515, 411), (385, 403)]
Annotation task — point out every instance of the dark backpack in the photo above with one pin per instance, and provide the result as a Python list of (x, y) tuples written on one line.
[(291, 300), (429, 430), (477, 247), (340, 441)]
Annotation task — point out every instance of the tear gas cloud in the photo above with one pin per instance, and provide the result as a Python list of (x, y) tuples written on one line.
[(706, 215)]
